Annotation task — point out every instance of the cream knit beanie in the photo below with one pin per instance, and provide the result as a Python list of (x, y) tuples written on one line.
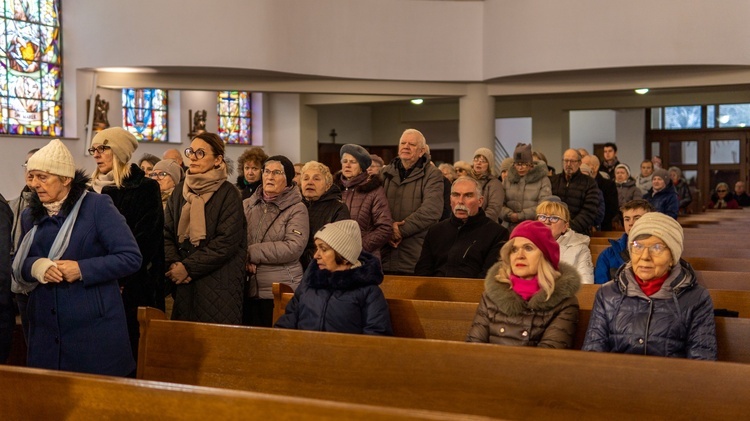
[(663, 227), (344, 237), (122, 142), (54, 158)]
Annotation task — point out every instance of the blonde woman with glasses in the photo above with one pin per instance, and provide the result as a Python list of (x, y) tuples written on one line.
[(574, 247)]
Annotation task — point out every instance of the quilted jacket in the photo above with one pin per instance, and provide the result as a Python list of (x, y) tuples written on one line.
[(216, 266), (365, 198), (580, 194), (523, 194), (664, 201), (676, 321), (494, 196), (277, 233)]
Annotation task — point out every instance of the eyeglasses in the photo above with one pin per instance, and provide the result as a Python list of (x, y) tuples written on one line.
[(161, 175), (721, 191), (553, 219), (460, 170), (481, 159), (655, 250), (523, 164), (100, 149), (276, 173), (199, 153), (571, 161)]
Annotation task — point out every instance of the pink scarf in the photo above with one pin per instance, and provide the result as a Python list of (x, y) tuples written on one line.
[(526, 288)]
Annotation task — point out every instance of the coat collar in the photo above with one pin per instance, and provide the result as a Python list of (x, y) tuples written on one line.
[(78, 186), (536, 173), (369, 273), (512, 304), (471, 221), (681, 278)]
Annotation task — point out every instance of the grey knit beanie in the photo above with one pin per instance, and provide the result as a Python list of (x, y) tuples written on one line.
[(122, 142), (171, 167), (344, 237), (663, 227), (487, 154), (661, 173), (506, 164), (523, 153)]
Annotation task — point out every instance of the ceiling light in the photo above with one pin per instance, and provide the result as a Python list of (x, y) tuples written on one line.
[(641, 91), (417, 101)]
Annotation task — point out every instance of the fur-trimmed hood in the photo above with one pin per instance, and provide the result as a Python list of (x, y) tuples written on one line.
[(536, 173), (369, 273), (364, 185), (77, 187), (510, 303)]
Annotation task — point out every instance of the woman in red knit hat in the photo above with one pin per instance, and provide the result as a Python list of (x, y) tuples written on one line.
[(529, 295)]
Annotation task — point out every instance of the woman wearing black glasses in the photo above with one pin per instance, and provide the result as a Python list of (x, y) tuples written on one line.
[(168, 174), (278, 228), (574, 247), (654, 305), (723, 198), (205, 238), (138, 199)]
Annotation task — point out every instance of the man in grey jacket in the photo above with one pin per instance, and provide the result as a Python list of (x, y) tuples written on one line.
[(414, 189)]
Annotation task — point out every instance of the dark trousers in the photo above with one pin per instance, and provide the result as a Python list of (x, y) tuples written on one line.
[(257, 312)]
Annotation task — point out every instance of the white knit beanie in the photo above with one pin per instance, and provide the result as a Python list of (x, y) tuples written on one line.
[(662, 226), (54, 158), (122, 142), (624, 167), (344, 237)]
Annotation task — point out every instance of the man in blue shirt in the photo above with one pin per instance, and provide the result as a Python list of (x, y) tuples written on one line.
[(613, 257)]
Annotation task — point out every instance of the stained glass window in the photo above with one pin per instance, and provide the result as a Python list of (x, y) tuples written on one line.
[(144, 113), (234, 117), (31, 73)]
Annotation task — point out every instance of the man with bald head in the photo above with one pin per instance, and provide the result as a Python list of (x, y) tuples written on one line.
[(578, 191), (609, 190), (176, 156)]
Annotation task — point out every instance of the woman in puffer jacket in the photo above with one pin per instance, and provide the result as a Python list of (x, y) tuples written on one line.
[(530, 295), (626, 188), (277, 232), (363, 194), (654, 306), (340, 292), (525, 185), (574, 247)]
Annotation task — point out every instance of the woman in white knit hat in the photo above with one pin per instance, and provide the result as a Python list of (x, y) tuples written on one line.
[(483, 169), (75, 247), (340, 293), (138, 199), (654, 305)]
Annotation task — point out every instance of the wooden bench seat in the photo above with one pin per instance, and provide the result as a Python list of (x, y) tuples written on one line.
[(33, 394), (459, 378)]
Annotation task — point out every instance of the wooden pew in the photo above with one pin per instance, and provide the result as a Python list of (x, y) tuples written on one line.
[(33, 394), (454, 377)]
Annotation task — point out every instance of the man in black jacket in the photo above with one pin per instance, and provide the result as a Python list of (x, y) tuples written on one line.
[(578, 191), (609, 190), (468, 243)]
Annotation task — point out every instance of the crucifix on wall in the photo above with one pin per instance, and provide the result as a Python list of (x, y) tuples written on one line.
[(333, 135)]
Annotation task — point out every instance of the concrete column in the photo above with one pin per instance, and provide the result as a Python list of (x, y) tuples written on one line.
[(292, 130), (550, 131), (476, 125)]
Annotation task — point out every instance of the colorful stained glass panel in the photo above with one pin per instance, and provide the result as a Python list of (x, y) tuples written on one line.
[(234, 110), (29, 68), (144, 114)]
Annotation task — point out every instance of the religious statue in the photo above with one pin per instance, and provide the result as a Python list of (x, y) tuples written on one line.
[(199, 122), (101, 109)]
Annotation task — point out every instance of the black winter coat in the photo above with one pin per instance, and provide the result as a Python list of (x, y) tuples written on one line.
[(246, 189), (328, 208), (456, 249), (139, 201), (611, 203), (7, 309), (216, 266), (676, 321), (580, 194), (348, 301)]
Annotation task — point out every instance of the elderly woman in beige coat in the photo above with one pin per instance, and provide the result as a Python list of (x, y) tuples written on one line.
[(277, 232), (526, 185), (492, 189)]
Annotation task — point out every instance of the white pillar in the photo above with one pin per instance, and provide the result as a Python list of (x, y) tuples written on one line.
[(476, 125), (292, 128)]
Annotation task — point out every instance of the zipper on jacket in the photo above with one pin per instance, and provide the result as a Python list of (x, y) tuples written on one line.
[(469, 248), (648, 326)]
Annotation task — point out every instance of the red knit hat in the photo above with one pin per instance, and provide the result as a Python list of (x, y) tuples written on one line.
[(541, 236)]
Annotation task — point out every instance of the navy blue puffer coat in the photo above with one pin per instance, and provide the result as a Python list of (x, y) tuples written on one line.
[(348, 301), (676, 321)]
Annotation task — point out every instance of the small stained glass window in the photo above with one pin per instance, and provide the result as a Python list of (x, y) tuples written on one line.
[(31, 72), (234, 109), (144, 114)]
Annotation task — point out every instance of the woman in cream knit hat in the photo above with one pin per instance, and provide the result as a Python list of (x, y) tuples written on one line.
[(138, 199), (492, 190), (654, 306), (340, 293), (73, 289)]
